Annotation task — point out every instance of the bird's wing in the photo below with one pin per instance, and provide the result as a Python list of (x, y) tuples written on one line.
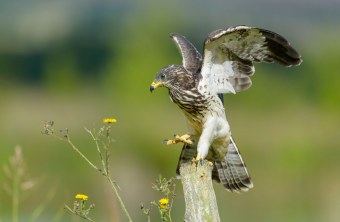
[(229, 55), (192, 59)]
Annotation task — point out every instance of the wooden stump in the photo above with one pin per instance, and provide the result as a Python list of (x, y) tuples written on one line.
[(199, 194)]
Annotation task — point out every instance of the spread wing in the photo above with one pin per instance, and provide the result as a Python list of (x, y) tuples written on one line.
[(229, 55), (192, 59)]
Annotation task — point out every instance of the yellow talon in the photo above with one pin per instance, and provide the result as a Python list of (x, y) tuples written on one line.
[(179, 139), (198, 157), (170, 142)]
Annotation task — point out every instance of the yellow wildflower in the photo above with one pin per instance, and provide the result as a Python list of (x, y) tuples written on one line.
[(163, 203), (109, 120), (81, 197)]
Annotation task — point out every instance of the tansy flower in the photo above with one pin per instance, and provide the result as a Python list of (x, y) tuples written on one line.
[(163, 203), (81, 197), (109, 120)]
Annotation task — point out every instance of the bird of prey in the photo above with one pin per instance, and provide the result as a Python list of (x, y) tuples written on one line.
[(197, 87)]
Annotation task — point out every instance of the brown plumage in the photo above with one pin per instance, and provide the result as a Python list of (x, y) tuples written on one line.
[(198, 85)]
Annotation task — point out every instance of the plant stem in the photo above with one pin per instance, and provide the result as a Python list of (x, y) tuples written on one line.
[(114, 188), (15, 197), (82, 155), (172, 201), (69, 209), (103, 172), (99, 151)]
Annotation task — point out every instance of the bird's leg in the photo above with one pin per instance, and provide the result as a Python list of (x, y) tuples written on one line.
[(206, 139), (179, 139), (199, 159)]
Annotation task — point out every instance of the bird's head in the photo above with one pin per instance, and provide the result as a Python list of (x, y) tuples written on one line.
[(172, 76)]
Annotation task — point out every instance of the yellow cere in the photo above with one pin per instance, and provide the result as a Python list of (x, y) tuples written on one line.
[(81, 197), (156, 84)]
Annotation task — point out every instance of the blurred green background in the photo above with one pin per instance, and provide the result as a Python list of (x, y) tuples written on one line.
[(77, 62)]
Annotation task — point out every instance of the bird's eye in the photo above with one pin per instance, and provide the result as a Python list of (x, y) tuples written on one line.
[(163, 76)]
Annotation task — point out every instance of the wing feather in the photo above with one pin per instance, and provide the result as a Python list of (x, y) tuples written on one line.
[(229, 55), (191, 58)]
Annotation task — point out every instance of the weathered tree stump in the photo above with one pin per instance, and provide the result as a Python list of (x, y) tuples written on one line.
[(199, 194)]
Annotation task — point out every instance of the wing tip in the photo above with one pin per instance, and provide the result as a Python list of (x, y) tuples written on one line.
[(173, 35), (282, 51)]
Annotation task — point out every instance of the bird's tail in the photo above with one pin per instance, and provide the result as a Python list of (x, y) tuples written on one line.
[(231, 172)]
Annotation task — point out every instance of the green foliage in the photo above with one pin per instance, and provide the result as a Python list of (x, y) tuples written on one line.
[(164, 204), (79, 207), (19, 186), (103, 141)]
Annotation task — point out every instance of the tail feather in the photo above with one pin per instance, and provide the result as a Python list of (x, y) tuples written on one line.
[(189, 152), (231, 173), (234, 175), (225, 177)]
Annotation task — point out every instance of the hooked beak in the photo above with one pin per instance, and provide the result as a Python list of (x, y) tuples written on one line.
[(155, 85)]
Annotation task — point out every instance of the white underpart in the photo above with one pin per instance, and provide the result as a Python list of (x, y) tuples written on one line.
[(215, 129)]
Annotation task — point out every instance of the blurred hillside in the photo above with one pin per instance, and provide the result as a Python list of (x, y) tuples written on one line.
[(77, 62)]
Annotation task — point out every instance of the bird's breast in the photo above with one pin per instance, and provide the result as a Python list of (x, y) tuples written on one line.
[(191, 102), (196, 106)]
